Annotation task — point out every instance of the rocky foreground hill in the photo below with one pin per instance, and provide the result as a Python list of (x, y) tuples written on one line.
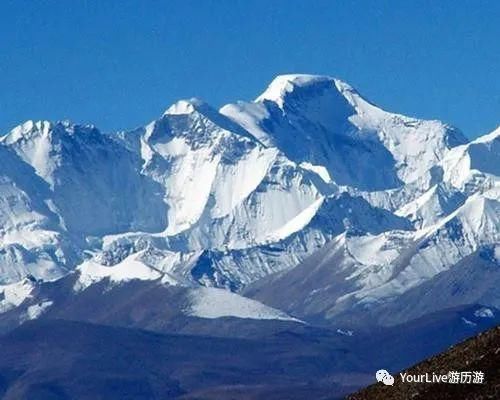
[(480, 353)]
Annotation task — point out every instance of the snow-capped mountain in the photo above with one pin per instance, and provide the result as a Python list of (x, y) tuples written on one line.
[(325, 122), (310, 199)]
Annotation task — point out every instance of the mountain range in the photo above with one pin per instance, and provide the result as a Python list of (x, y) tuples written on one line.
[(309, 210)]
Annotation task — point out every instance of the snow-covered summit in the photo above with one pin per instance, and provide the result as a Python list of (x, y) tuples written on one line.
[(326, 122), (27, 128), (184, 107), (285, 85), (284, 90)]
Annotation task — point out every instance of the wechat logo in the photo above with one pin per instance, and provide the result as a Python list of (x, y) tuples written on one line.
[(385, 377)]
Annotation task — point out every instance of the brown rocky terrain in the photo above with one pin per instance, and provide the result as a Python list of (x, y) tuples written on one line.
[(480, 353)]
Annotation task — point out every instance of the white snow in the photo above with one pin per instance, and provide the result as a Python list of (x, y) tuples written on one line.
[(345, 332), (468, 322), (488, 138), (32, 142), (189, 188), (36, 310), (318, 169), (245, 183), (456, 236), (90, 272), (374, 250), (284, 84), (14, 294), (249, 116), (474, 166), (235, 182), (484, 312), (217, 303), (310, 130), (183, 107), (296, 223)]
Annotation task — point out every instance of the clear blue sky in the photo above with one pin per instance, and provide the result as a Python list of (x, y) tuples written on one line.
[(119, 64)]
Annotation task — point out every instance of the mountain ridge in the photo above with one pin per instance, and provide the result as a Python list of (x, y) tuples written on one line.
[(232, 198)]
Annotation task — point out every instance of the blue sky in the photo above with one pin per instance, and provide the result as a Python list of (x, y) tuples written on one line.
[(119, 64)]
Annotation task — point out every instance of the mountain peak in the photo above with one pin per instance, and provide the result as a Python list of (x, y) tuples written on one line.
[(185, 106), (32, 129), (195, 109), (284, 85), (27, 129)]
